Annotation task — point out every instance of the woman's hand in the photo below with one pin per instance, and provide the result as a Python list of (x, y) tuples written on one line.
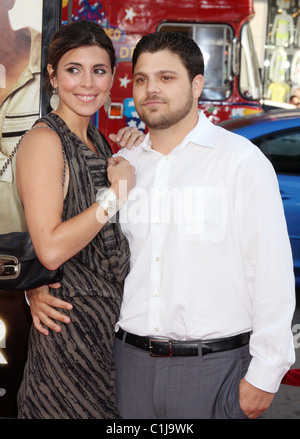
[(127, 137), (121, 175)]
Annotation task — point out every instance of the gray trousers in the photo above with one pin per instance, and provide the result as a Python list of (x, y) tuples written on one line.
[(203, 387)]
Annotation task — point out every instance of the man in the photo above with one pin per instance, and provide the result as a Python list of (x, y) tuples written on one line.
[(205, 324), (20, 72), (295, 98), (20, 59)]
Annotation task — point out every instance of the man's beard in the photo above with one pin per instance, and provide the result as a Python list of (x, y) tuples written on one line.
[(164, 121)]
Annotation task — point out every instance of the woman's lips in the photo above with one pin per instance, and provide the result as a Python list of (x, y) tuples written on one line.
[(86, 98)]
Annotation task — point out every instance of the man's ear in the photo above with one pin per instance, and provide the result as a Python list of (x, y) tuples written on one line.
[(198, 84)]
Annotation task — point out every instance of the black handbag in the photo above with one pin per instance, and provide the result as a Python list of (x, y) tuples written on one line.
[(20, 268)]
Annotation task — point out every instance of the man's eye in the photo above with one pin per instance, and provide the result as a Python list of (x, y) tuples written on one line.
[(140, 80)]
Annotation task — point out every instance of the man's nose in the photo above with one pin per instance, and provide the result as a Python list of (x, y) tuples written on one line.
[(153, 86)]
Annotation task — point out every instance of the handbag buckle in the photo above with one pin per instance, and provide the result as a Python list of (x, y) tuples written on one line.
[(9, 267)]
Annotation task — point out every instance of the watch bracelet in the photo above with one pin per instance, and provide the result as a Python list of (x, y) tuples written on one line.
[(109, 201)]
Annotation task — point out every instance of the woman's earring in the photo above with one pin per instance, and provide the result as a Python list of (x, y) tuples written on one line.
[(107, 104), (54, 100)]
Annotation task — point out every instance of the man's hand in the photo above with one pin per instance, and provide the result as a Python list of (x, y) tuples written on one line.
[(42, 307), (127, 137), (254, 401)]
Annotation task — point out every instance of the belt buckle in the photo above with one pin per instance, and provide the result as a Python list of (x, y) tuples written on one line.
[(159, 341)]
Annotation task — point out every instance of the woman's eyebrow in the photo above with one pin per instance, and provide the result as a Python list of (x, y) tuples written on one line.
[(79, 64)]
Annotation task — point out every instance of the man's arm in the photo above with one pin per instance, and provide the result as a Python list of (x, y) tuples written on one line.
[(268, 267), (43, 309)]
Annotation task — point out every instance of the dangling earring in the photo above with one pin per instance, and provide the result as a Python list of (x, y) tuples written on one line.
[(54, 100), (107, 103)]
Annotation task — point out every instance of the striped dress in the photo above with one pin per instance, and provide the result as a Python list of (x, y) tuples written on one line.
[(71, 375)]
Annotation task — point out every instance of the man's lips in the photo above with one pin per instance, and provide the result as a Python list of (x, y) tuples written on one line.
[(152, 103)]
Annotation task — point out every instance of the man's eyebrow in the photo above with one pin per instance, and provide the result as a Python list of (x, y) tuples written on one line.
[(159, 72)]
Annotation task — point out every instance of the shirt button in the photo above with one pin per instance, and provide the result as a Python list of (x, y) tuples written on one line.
[(156, 329), (157, 259)]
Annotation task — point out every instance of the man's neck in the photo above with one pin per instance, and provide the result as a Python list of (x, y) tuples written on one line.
[(164, 141)]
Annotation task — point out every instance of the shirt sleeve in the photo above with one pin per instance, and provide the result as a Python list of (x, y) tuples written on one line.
[(268, 267), (128, 154)]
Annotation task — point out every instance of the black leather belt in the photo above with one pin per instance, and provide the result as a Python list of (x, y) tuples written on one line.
[(180, 348)]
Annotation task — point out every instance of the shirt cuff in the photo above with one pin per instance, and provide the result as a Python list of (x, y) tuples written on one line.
[(264, 376)]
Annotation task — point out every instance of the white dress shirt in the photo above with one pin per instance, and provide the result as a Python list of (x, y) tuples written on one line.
[(210, 253)]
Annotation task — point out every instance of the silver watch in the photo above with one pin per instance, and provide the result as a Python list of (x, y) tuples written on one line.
[(108, 200)]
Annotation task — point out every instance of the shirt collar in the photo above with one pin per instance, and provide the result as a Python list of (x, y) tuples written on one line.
[(35, 51), (201, 135)]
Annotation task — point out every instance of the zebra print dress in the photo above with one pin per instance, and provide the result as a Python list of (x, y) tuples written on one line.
[(71, 375)]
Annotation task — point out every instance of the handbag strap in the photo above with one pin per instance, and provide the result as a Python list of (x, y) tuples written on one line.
[(14, 151)]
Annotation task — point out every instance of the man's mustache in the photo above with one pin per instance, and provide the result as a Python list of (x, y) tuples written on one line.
[(152, 98)]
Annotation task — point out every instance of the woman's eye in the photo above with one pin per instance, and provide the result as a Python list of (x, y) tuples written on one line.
[(99, 71), (72, 70)]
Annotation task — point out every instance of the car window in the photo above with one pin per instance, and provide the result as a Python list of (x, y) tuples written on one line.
[(283, 150)]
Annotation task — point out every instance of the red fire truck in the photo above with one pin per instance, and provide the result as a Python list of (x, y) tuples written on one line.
[(221, 29)]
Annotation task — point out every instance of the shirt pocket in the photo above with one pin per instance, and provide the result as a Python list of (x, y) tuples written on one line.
[(204, 213)]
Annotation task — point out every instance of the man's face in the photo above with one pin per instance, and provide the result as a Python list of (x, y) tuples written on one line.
[(162, 91), (7, 4)]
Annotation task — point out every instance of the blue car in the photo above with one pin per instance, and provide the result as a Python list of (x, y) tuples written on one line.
[(277, 134)]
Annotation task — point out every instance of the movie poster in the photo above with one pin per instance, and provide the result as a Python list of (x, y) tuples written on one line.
[(25, 29)]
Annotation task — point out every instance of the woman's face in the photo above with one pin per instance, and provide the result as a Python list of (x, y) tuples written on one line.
[(83, 79)]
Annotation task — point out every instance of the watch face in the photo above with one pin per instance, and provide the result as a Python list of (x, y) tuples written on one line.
[(112, 204)]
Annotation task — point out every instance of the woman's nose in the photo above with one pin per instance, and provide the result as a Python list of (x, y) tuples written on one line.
[(87, 80)]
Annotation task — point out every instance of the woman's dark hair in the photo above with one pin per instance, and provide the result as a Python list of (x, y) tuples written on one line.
[(74, 35), (175, 42)]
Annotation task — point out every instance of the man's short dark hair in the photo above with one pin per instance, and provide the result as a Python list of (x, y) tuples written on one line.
[(183, 46)]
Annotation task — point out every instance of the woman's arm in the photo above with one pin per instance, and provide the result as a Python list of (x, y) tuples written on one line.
[(39, 181)]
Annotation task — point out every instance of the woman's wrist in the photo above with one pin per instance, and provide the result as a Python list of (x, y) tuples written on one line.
[(120, 189), (109, 201)]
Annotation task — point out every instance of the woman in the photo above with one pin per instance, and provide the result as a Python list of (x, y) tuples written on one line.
[(61, 165)]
